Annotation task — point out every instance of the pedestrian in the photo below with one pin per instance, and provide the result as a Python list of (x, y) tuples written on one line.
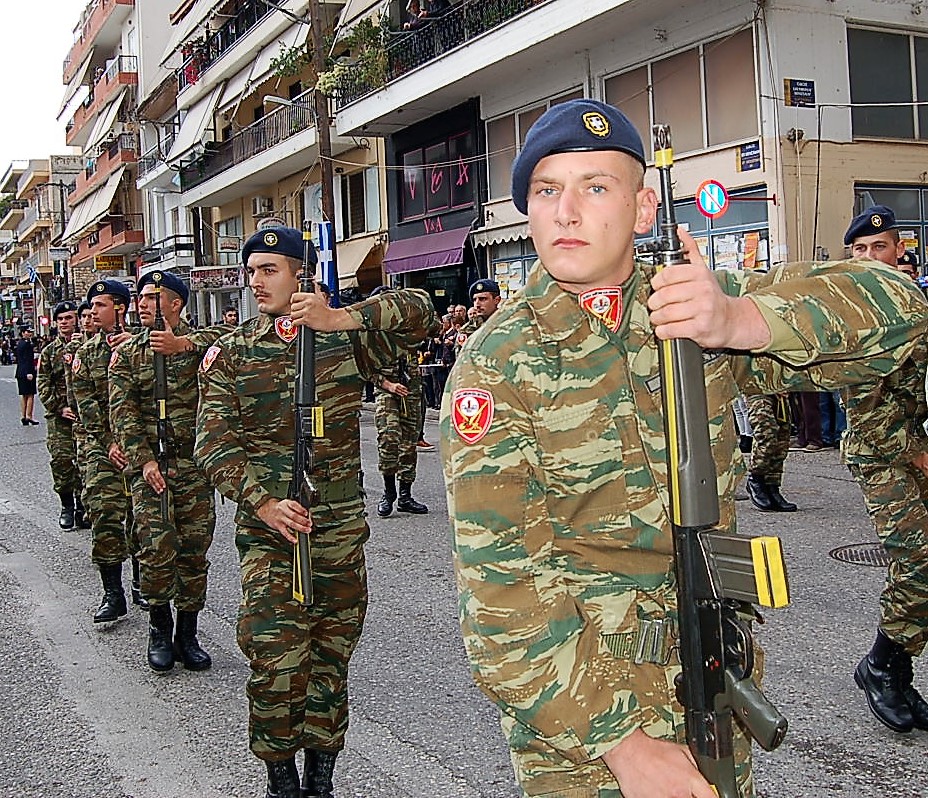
[(769, 417), (25, 376), (230, 315), (172, 548), (555, 454), (886, 449), (60, 416), (298, 689)]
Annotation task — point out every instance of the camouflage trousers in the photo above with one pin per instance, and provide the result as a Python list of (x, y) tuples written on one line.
[(172, 554), (897, 500), (83, 459), (63, 453), (113, 532), (398, 428), (769, 417), (298, 688)]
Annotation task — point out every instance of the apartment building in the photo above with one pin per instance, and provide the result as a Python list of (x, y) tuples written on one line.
[(782, 103)]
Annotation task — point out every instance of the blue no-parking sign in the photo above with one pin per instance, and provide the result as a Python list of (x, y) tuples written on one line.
[(711, 199)]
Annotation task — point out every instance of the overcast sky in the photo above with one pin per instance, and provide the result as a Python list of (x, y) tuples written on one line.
[(35, 38)]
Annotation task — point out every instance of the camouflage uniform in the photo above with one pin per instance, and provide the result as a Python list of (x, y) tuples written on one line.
[(172, 553), (562, 536), (885, 432), (769, 417), (113, 533), (398, 422), (299, 656), (77, 427), (52, 389), (466, 331)]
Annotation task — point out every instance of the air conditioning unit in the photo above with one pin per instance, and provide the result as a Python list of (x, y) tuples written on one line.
[(262, 205)]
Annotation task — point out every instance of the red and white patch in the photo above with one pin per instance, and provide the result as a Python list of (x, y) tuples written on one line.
[(67, 357), (76, 364), (111, 339), (471, 413), (286, 329), (114, 357), (209, 358), (605, 304), (461, 339)]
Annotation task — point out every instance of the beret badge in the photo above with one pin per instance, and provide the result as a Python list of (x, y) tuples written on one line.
[(596, 123), (876, 220), (270, 239)]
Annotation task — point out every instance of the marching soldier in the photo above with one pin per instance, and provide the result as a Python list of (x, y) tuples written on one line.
[(245, 436), (172, 550), (60, 416), (86, 329), (110, 511), (769, 417), (887, 451)]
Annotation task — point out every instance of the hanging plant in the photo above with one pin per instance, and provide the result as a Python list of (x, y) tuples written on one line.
[(292, 60), (368, 60)]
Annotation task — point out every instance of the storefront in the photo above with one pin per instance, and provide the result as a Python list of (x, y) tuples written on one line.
[(910, 204)]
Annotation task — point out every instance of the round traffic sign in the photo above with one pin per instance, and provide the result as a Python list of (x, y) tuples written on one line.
[(711, 199)]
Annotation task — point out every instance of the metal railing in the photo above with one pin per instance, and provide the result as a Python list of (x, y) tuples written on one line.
[(172, 246), (277, 126), (126, 222), (157, 154), (33, 261), (122, 63), (408, 50)]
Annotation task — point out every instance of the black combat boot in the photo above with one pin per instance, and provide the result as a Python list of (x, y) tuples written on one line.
[(781, 504), (759, 492), (407, 503), (881, 675), (283, 779), (916, 703), (318, 767), (186, 646), (81, 519), (113, 605), (136, 587), (385, 505), (66, 518), (160, 629)]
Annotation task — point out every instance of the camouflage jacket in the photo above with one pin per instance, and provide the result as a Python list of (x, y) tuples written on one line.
[(555, 466), (245, 428), (70, 350), (90, 381), (50, 382), (133, 415)]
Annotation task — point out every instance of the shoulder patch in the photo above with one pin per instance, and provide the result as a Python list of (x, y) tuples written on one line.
[(471, 413), (461, 339), (76, 363), (67, 357), (605, 304), (285, 328), (114, 357), (210, 357)]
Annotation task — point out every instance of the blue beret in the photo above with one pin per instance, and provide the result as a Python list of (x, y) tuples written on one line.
[(278, 241), (113, 288), (64, 307), (908, 258), (876, 219), (82, 307), (167, 280), (574, 126), (480, 286)]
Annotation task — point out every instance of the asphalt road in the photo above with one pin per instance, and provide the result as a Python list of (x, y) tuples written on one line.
[(83, 716)]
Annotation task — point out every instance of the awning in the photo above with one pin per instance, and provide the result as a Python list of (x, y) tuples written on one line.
[(351, 256), (104, 123), (234, 87), (497, 235), (197, 15), (199, 117), (354, 11), (76, 84), (94, 207), (426, 252), (262, 64)]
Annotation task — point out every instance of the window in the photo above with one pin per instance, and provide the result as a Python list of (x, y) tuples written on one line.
[(230, 228), (708, 94), (437, 177), (358, 204), (502, 135), (881, 72), (511, 262)]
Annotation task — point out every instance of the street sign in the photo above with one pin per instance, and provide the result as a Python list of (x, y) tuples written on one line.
[(59, 253), (108, 262), (711, 199)]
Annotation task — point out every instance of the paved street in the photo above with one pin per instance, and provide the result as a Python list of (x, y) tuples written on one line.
[(83, 716)]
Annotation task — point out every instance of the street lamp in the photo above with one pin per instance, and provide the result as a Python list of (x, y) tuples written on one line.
[(62, 188)]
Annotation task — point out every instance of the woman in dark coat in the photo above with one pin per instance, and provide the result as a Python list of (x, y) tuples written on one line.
[(25, 376)]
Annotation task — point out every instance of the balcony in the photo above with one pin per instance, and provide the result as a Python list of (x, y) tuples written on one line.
[(120, 235), (13, 251), (200, 53), (33, 221), (14, 215), (120, 72), (155, 156), (35, 261), (174, 252), (278, 126), (101, 25), (122, 150)]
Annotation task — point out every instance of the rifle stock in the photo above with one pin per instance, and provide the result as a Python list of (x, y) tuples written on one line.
[(160, 395), (718, 576)]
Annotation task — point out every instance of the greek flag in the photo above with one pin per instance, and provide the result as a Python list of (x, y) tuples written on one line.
[(325, 248), (33, 274)]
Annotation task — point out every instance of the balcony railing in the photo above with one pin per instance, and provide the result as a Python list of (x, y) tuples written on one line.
[(408, 50), (277, 126), (33, 261), (156, 154), (170, 247), (200, 53)]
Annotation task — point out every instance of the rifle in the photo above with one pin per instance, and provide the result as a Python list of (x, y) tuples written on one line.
[(160, 395), (718, 576), (308, 424), (403, 378)]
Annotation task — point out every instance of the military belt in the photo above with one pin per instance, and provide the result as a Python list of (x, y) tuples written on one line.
[(340, 491), (652, 641)]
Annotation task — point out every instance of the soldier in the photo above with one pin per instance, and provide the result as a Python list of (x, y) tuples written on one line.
[(112, 538), (484, 294), (60, 416), (886, 449), (230, 316), (555, 454), (907, 263), (86, 329), (299, 655), (172, 550), (769, 417)]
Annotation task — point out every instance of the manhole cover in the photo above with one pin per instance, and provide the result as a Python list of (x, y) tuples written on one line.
[(862, 554)]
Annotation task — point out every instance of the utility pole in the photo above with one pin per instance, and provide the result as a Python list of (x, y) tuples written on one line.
[(62, 205)]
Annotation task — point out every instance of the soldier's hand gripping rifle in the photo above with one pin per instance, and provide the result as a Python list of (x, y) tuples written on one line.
[(160, 395), (308, 423), (718, 576), (403, 378)]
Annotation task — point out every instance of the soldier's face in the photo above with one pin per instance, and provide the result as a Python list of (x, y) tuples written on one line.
[(104, 312), (87, 323), (66, 324), (583, 211), (486, 303), (882, 247), (230, 317), (273, 280), (148, 305)]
